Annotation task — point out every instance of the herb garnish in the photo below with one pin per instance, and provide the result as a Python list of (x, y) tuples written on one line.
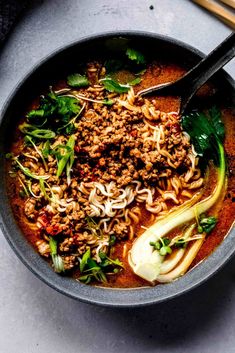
[(92, 270), (206, 224), (65, 157), (162, 245), (27, 171), (57, 259), (29, 140), (134, 82), (113, 86), (54, 112), (93, 227), (33, 131), (136, 56), (77, 80), (46, 149)]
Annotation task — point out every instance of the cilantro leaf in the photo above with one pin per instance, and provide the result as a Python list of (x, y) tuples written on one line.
[(77, 80), (136, 56), (36, 113), (113, 65), (54, 111), (67, 107), (113, 86)]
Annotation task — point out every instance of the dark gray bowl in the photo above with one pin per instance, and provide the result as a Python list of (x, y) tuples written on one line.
[(40, 77)]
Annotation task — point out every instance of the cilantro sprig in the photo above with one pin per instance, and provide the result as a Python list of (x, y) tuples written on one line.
[(136, 56), (54, 112), (77, 80)]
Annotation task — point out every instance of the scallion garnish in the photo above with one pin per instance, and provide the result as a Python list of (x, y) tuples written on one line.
[(56, 259)]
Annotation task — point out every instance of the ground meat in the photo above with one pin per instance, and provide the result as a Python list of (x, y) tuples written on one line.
[(43, 248), (29, 209)]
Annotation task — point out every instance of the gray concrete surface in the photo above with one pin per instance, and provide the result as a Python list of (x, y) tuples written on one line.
[(35, 318)]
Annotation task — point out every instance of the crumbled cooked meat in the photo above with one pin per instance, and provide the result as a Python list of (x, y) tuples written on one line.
[(69, 262), (29, 209), (43, 248)]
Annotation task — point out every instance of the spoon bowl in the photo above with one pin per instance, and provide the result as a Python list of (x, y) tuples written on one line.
[(187, 86)]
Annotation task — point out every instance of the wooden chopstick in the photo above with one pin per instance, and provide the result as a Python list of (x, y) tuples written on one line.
[(219, 10), (230, 3)]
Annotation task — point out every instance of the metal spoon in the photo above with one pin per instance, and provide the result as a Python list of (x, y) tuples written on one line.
[(186, 86)]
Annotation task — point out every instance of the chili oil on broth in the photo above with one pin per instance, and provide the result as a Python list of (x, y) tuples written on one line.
[(155, 74)]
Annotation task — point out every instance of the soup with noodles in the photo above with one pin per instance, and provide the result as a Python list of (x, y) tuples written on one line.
[(119, 190)]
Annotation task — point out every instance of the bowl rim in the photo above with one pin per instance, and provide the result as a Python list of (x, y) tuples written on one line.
[(114, 297)]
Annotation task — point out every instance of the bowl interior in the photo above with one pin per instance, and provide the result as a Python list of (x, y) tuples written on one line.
[(44, 74)]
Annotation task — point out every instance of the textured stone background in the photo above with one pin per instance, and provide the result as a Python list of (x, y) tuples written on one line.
[(35, 318)]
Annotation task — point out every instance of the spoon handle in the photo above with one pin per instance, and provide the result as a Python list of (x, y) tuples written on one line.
[(206, 68), (186, 86)]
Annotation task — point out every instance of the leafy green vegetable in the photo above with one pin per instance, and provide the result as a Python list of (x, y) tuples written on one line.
[(113, 65), (205, 131), (93, 270), (57, 259), (67, 107), (136, 56), (113, 86), (215, 116), (54, 112), (77, 80), (165, 250), (206, 224), (107, 261)]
